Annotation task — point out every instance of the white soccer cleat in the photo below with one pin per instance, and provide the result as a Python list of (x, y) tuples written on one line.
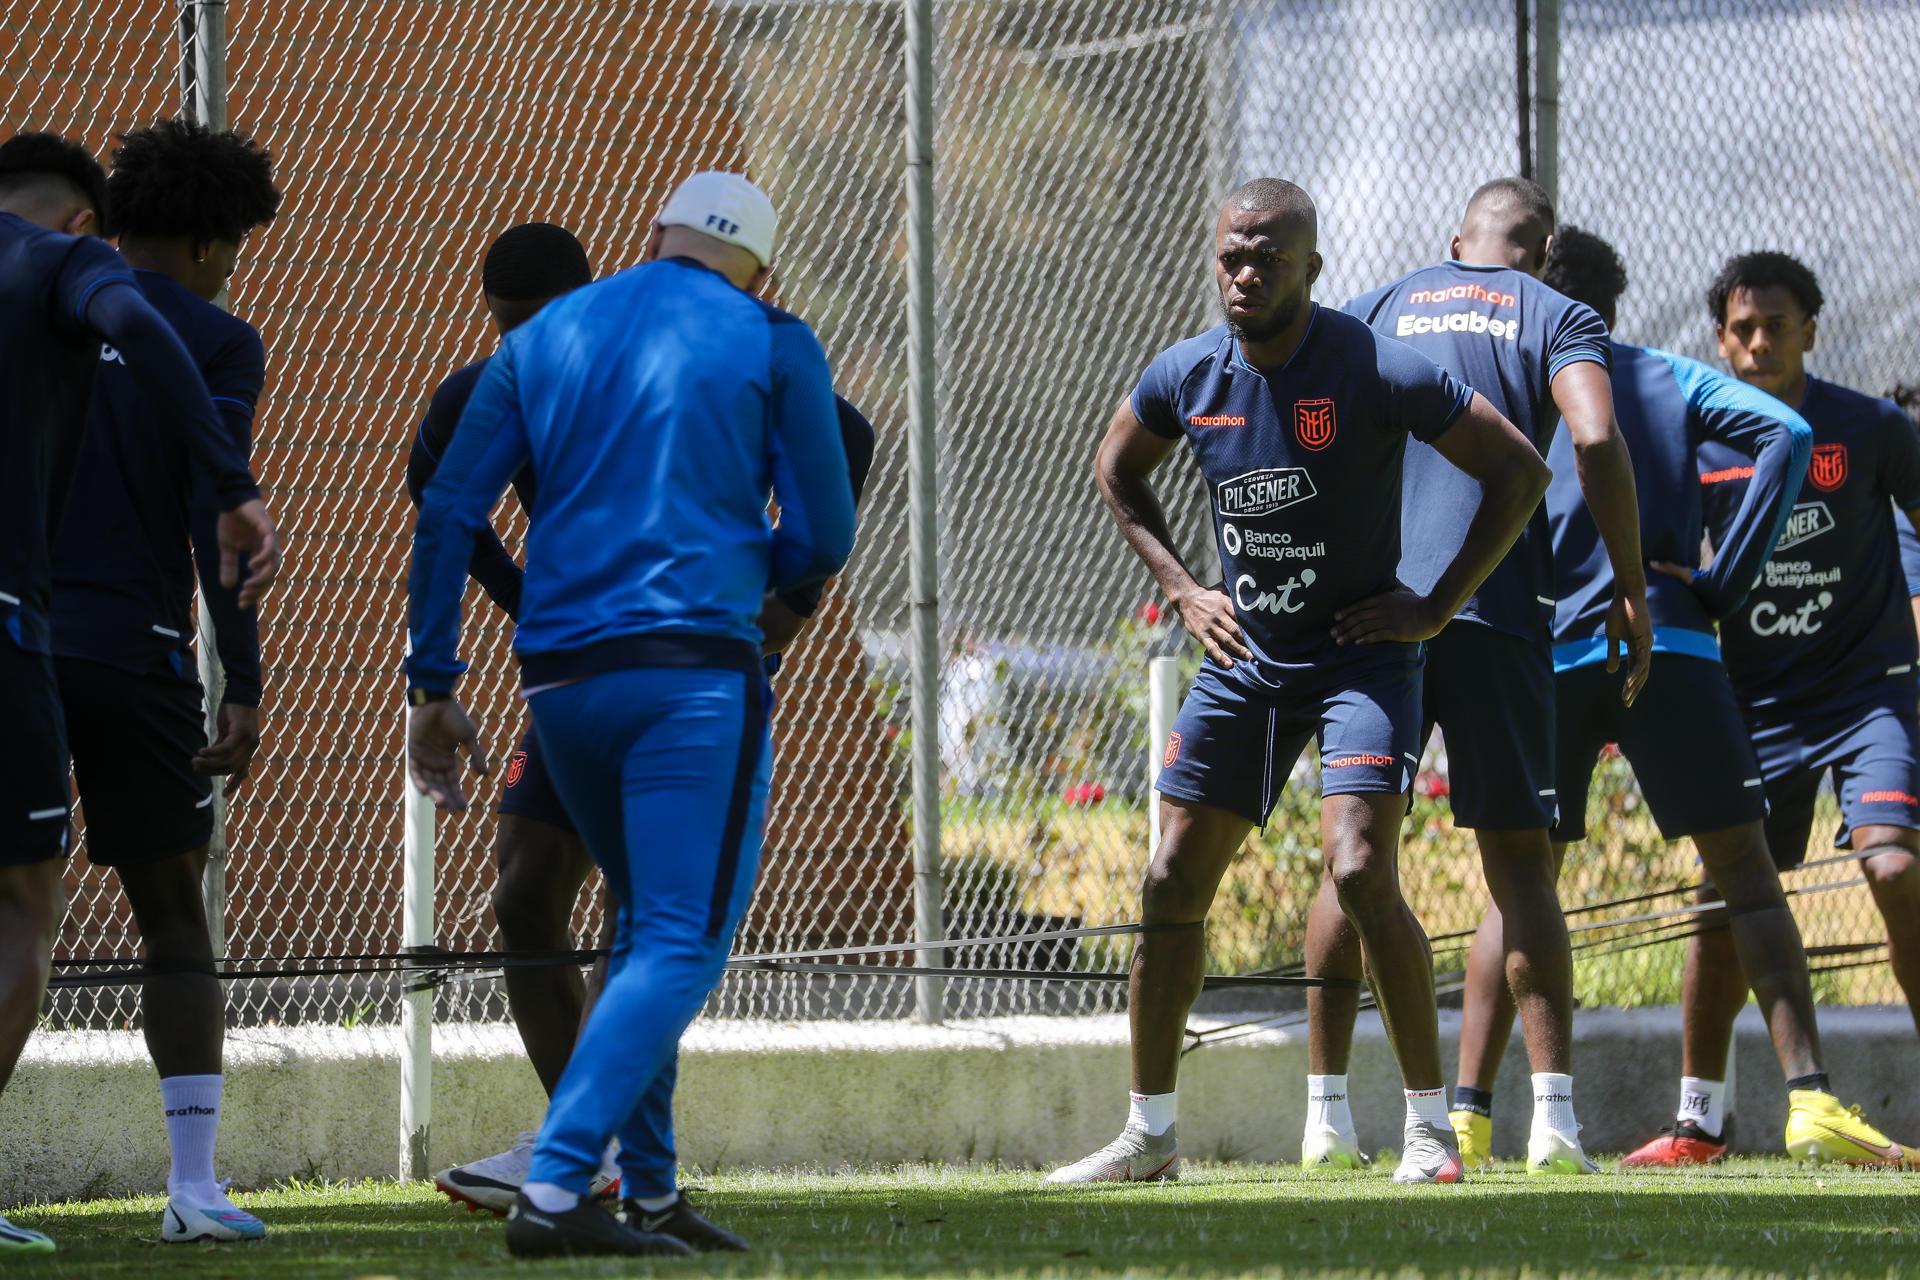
[(491, 1183), (1134, 1156), (1431, 1154), (1552, 1151), (1325, 1147), (191, 1217)]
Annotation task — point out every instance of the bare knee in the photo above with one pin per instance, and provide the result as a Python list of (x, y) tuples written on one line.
[(1364, 880), (540, 878)]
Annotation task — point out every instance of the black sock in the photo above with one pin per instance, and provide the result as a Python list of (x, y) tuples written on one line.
[(1815, 1080), (1468, 1098)]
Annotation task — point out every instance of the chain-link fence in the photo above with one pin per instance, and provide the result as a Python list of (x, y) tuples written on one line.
[(1080, 149)]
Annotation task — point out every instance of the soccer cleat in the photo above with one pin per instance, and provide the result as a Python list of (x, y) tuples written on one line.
[(1134, 1156), (1473, 1133), (18, 1242), (1679, 1144), (492, 1183), (192, 1217), (1325, 1147), (1822, 1131), (1552, 1151), (585, 1230), (1430, 1155), (684, 1223)]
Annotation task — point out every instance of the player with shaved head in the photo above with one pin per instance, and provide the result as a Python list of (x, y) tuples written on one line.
[(1299, 418), (1540, 357)]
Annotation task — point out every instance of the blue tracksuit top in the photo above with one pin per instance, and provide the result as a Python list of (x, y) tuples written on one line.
[(656, 408), (1666, 406)]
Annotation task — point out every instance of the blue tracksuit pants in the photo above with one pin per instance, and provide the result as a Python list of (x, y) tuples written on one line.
[(664, 771)]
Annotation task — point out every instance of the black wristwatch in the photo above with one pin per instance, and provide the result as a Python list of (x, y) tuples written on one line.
[(418, 697)]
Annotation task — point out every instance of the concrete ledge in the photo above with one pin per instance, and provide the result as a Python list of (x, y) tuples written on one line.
[(82, 1116)]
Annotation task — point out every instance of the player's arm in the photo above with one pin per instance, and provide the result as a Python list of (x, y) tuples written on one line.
[(809, 463), (483, 457), (492, 566), (114, 310), (1583, 392), (1780, 442), (1127, 457), (1513, 479), (785, 614), (234, 380)]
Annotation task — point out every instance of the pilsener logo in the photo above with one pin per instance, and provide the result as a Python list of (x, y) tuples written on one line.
[(1809, 520), (1263, 492)]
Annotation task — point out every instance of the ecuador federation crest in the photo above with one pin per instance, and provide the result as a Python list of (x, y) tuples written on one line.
[(1172, 752), (1828, 469), (1313, 423)]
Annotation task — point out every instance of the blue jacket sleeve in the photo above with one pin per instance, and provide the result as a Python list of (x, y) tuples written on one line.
[(1779, 441), (492, 566), (120, 316), (809, 464), (234, 378), (490, 446)]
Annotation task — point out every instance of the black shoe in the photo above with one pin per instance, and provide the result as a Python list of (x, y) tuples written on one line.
[(682, 1222), (585, 1229)]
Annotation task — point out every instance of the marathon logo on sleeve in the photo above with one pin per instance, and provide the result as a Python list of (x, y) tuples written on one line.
[(1263, 492)]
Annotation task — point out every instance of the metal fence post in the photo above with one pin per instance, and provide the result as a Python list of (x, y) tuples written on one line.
[(416, 1007), (1523, 87), (1546, 97), (923, 508), (203, 97)]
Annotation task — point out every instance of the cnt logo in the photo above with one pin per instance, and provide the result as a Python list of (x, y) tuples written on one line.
[(1828, 469), (1313, 423)]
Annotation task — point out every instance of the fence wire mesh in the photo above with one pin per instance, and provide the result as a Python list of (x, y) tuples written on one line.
[(1081, 150)]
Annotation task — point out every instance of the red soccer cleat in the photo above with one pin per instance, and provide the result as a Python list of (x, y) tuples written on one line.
[(1685, 1143)]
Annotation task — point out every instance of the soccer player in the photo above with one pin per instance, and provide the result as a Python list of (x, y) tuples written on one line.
[(1538, 357), (1298, 416), (1685, 738), (182, 199), (543, 863), (1821, 656), (656, 408), (63, 292)]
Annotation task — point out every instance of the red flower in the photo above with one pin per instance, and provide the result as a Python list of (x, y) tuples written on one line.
[(1083, 793), (1148, 612), (1433, 786)]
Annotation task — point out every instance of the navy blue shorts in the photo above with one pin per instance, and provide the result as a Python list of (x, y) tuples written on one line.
[(1683, 736), (1233, 747), (134, 735), (1492, 695), (1874, 752), (34, 803), (527, 790)]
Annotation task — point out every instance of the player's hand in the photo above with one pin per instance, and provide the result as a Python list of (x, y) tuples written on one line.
[(436, 733), (1207, 614), (231, 754), (248, 530), (1401, 614), (1630, 624)]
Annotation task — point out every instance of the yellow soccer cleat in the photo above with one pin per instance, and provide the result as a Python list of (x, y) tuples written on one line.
[(1822, 1131), (1474, 1132)]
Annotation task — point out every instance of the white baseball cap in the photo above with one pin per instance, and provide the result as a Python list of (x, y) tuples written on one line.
[(727, 207)]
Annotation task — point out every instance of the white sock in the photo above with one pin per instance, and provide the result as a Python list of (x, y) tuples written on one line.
[(1154, 1112), (1705, 1103), (192, 1104), (1327, 1103), (1553, 1102), (550, 1197), (1427, 1106), (654, 1204)]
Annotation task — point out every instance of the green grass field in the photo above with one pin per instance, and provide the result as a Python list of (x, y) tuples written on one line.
[(1748, 1218)]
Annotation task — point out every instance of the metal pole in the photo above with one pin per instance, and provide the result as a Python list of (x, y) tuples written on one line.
[(1163, 704), (203, 97), (1546, 97), (923, 508), (416, 1009), (1523, 88)]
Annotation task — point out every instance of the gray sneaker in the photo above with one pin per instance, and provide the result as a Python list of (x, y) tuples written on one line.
[(1431, 1154), (1134, 1156)]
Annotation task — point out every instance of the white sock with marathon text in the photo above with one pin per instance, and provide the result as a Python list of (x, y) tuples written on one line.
[(1327, 1103), (1553, 1102), (1427, 1106), (550, 1197), (192, 1104), (1705, 1103), (1154, 1112)]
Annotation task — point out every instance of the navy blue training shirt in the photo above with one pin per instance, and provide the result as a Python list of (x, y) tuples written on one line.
[(1303, 466), (1829, 620), (1666, 405), (124, 577), (1506, 335)]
